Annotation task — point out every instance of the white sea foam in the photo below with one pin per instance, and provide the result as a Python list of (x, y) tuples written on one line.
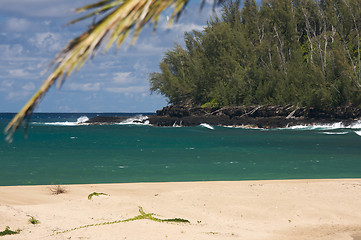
[(175, 124), (325, 127), (334, 126), (80, 121), (206, 125), (356, 125), (244, 127), (358, 133), (334, 133), (137, 120), (66, 124)]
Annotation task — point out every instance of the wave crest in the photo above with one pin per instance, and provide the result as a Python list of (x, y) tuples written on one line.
[(137, 120), (334, 126), (82, 119), (206, 125)]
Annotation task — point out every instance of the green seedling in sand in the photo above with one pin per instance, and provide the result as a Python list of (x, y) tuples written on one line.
[(7, 231), (33, 220), (142, 215), (149, 216), (96, 194)]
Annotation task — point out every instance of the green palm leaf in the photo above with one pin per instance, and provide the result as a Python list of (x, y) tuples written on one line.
[(117, 19)]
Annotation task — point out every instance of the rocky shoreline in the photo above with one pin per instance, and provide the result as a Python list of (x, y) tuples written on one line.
[(246, 116)]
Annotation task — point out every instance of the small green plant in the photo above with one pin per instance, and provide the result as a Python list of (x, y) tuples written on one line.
[(177, 220), (142, 215), (57, 189), (33, 220), (96, 194), (150, 217), (7, 231)]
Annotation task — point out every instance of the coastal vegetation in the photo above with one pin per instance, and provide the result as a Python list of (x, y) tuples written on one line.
[(33, 220), (298, 52), (305, 53), (8, 231), (90, 196), (57, 189), (142, 215)]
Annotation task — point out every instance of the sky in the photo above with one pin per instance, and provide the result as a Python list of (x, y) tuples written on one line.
[(32, 32)]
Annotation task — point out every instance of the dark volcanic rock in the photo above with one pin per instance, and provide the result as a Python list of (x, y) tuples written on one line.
[(254, 116), (251, 116)]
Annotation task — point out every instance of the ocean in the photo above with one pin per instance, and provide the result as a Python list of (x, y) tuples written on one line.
[(59, 149)]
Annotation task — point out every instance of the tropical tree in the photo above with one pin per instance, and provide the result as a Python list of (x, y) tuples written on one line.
[(116, 20), (299, 52)]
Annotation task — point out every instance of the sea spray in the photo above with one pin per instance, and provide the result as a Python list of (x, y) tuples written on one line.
[(206, 125), (82, 119), (137, 120)]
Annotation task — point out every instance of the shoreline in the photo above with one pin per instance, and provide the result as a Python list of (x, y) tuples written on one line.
[(185, 182), (264, 117), (256, 209)]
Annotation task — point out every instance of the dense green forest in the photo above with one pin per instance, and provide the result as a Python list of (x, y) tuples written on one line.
[(300, 52)]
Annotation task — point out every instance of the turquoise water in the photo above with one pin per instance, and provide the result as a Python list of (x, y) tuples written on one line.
[(66, 153)]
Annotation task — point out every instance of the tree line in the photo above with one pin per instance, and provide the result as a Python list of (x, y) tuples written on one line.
[(299, 52)]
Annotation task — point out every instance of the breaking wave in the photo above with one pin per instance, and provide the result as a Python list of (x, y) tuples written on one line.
[(334, 126), (137, 120), (334, 133), (80, 121), (206, 125)]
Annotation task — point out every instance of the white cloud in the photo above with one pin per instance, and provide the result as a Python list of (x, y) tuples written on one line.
[(147, 47), (102, 75), (127, 90), (41, 8), (117, 78), (18, 95), (6, 85), (47, 40), (210, 2), (29, 87), (181, 27), (65, 108), (188, 27), (140, 66), (17, 73), (85, 87), (17, 24), (7, 50), (122, 77), (47, 23)]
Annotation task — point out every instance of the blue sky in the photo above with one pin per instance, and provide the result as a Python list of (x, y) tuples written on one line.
[(32, 32)]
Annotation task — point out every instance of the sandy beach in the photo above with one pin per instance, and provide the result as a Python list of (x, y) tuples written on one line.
[(287, 209)]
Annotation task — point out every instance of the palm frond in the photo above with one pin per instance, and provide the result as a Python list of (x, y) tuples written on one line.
[(117, 19)]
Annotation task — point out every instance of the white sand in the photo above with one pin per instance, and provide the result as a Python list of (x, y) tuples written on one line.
[(274, 210)]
